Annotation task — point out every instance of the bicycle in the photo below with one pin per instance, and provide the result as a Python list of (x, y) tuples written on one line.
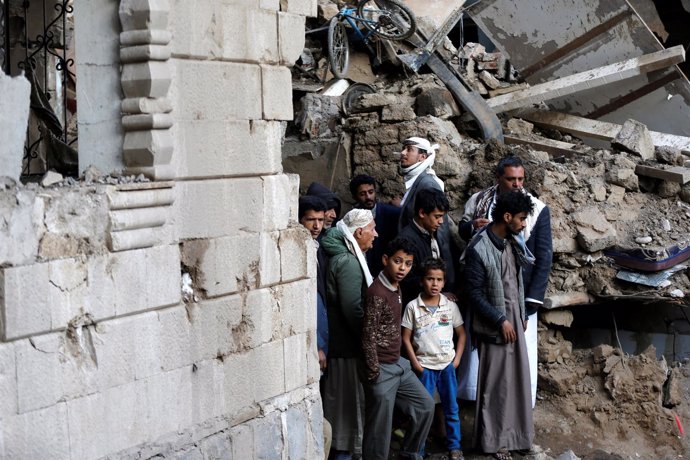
[(390, 19)]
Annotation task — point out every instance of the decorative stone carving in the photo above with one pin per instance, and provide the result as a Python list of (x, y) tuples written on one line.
[(146, 78)]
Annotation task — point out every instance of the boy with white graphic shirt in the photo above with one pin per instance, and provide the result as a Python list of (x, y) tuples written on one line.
[(427, 334)]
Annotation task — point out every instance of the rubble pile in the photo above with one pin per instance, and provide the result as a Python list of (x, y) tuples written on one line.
[(601, 390)]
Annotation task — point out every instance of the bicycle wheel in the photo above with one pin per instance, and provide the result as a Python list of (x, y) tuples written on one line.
[(338, 48), (390, 19)]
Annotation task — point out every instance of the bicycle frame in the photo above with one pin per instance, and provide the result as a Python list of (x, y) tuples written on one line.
[(349, 14)]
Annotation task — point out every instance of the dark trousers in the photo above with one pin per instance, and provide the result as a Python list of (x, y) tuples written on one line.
[(397, 386)]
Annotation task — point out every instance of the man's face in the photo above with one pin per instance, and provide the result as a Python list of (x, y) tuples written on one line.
[(433, 282), (432, 221), (329, 217), (313, 221), (397, 266), (511, 180), (516, 223), (365, 236), (411, 155), (365, 196)]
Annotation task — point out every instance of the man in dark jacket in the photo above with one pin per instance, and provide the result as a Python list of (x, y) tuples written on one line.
[(503, 414), (510, 177), (363, 190), (431, 239), (348, 277)]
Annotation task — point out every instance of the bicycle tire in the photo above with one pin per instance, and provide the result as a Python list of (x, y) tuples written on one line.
[(390, 19), (338, 48)]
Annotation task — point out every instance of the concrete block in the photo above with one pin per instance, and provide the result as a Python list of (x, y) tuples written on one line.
[(146, 79), (207, 391), (594, 232), (269, 427), (47, 372), (277, 199), (269, 4), (303, 7), (199, 85), (227, 148), (175, 338), (218, 207), (212, 323), (152, 277), (262, 317), (8, 381), (224, 265), (297, 302), (20, 236), (25, 286), (217, 447), (106, 137), (147, 148), (297, 252), (38, 434), (294, 191), (144, 14), (130, 414), (290, 37), (238, 390), (14, 116), (276, 95), (125, 349), (269, 259), (296, 349), (242, 440), (298, 439), (97, 35), (233, 32)]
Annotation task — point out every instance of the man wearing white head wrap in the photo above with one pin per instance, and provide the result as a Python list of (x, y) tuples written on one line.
[(416, 162), (347, 280)]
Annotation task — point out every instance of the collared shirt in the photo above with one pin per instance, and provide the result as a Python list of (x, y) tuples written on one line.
[(435, 250), (432, 331)]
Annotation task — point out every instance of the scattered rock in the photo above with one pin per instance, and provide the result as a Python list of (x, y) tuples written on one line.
[(557, 317), (643, 239), (668, 155), (92, 174), (437, 102), (520, 127), (667, 189), (489, 80), (673, 390)]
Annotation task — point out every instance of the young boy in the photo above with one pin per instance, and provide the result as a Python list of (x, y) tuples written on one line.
[(432, 318), (388, 380)]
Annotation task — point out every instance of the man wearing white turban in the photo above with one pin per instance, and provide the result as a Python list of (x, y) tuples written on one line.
[(416, 162), (347, 279)]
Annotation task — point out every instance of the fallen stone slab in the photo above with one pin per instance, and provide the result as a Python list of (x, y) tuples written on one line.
[(594, 232), (557, 317), (634, 137)]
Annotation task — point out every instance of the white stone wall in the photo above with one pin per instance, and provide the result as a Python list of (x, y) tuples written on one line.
[(100, 353)]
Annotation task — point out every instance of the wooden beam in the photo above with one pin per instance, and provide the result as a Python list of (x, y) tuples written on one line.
[(588, 79), (675, 174), (575, 44), (580, 126), (550, 146)]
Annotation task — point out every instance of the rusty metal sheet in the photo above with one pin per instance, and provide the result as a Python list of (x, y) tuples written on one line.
[(549, 40)]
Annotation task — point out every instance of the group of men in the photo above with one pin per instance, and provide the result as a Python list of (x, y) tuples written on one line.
[(381, 257)]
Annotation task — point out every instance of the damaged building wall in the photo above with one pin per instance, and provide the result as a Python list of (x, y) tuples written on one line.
[(169, 319)]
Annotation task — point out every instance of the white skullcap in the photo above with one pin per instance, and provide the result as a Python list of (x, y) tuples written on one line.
[(357, 218), (422, 144)]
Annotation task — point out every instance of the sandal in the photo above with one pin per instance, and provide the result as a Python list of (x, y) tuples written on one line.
[(455, 454), (502, 454)]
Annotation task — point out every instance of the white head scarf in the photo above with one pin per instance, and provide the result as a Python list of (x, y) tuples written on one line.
[(410, 173), (356, 218)]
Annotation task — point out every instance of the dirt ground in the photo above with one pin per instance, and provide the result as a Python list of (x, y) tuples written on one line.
[(598, 404)]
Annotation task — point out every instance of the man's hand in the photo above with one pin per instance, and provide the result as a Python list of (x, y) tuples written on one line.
[(417, 368), (456, 362), (479, 223), (322, 360), (508, 332)]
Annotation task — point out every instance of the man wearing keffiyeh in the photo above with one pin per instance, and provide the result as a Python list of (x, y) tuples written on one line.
[(347, 279), (536, 237)]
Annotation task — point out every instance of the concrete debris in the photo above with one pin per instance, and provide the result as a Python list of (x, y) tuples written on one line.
[(634, 137), (51, 178)]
